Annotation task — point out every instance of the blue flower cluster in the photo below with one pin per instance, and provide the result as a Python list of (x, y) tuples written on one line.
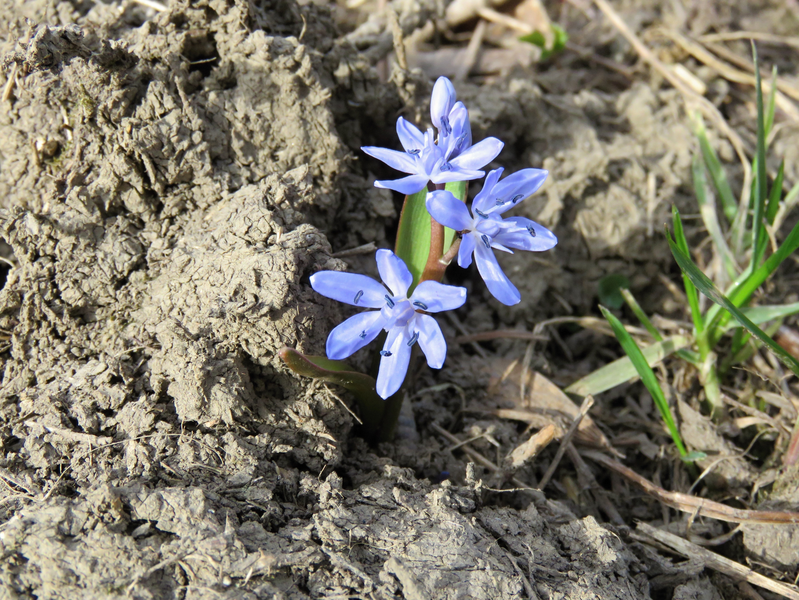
[(432, 161)]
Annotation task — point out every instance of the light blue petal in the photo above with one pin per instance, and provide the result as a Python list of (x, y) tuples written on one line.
[(393, 272), (439, 175), (526, 235), (466, 250), (518, 186), (496, 281), (460, 139), (431, 341), (401, 161), (406, 185), (394, 362), (485, 199), (432, 296), (410, 136), (479, 155), (441, 102), (351, 288), (353, 334), (448, 210)]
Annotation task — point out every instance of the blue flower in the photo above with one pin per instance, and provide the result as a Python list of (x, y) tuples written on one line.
[(451, 157), (402, 317), (487, 231)]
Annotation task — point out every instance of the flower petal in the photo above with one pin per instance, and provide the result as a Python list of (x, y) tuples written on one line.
[(465, 251), (496, 280), (441, 102), (448, 210), (350, 288), (526, 235), (440, 175), (479, 155), (401, 161), (518, 186), (461, 138), (393, 272), (410, 136), (432, 296), (431, 341), (394, 362), (406, 185), (353, 334), (485, 200)]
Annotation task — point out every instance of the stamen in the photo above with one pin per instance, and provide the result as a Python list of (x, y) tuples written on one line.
[(420, 305), (481, 213), (362, 335), (414, 151), (389, 301), (412, 341), (486, 240), (446, 167), (516, 198), (500, 202), (445, 126), (358, 296), (531, 230), (385, 353), (461, 139)]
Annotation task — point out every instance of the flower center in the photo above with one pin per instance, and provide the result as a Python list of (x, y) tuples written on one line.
[(398, 311)]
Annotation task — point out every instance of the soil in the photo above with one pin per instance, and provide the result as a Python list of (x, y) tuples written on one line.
[(168, 183)]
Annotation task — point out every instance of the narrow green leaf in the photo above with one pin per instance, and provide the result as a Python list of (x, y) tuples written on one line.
[(459, 189), (413, 235), (707, 209), (772, 102), (640, 314), (704, 285), (775, 195), (728, 203), (335, 371), (622, 369), (647, 376), (690, 290), (760, 182), (763, 314)]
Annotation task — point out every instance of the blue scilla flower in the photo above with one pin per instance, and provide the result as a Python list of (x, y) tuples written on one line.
[(484, 230), (404, 318), (450, 157)]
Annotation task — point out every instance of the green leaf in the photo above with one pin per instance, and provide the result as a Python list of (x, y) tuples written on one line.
[(772, 102), (622, 369), (690, 290), (413, 235), (761, 181), (718, 175), (704, 285), (763, 314), (774, 196), (647, 376), (609, 290), (538, 39), (707, 209), (639, 313), (694, 456), (335, 371)]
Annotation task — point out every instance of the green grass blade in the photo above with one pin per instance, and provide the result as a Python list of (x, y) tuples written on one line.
[(647, 376), (640, 314), (760, 177), (707, 209), (772, 103), (775, 195), (413, 235), (728, 203), (763, 314), (690, 290), (704, 285), (622, 369)]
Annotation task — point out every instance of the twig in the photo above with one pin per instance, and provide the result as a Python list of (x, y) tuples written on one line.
[(759, 36), (714, 561), (365, 249), (588, 402), (691, 504), (532, 447), (512, 334), (472, 51), (152, 4), (12, 78)]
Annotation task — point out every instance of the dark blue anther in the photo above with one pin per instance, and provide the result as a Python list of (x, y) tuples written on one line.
[(460, 141), (385, 353), (531, 230), (412, 341), (389, 301), (446, 167), (517, 197), (445, 126), (358, 296), (486, 240), (500, 202), (481, 213), (415, 151), (420, 305), (362, 335)]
